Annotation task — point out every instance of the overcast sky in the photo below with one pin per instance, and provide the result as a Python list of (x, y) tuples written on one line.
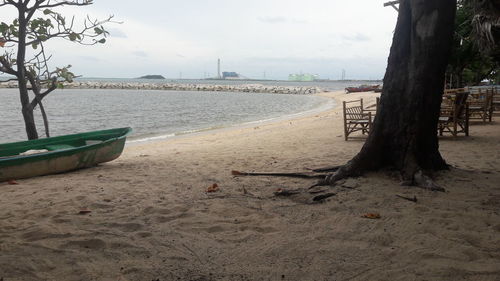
[(254, 38)]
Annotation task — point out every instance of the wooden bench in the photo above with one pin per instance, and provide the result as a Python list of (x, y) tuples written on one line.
[(356, 118)]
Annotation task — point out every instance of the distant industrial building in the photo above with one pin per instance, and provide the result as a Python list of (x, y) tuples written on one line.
[(302, 77), (230, 75)]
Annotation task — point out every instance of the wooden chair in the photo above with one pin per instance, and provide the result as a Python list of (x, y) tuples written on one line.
[(372, 108), (481, 105), (451, 92), (356, 118), (454, 117), (495, 102)]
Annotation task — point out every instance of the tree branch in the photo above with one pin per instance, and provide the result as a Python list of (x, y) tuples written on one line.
[(8, 2), (9, 80), (6, 67), (31, 11), (69, 3)]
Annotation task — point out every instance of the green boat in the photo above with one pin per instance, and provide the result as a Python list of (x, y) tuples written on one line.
[(53, 155)]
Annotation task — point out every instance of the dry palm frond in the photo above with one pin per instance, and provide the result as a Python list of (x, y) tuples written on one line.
[(486, 19)]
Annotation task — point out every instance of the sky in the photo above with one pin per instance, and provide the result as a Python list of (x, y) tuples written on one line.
[(259, 39)]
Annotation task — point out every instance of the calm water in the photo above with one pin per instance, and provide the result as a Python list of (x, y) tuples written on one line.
[(152, 114)]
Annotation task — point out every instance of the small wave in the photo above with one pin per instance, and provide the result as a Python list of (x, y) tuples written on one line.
[(139, 139)]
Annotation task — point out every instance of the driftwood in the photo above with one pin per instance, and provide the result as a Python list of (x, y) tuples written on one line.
[(291, 175), (322, 197), (284, 192), (414, 199)]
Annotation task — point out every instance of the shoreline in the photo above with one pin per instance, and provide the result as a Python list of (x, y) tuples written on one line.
[(327, 105)]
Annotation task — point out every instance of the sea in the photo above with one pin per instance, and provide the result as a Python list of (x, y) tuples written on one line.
[(156, 114)]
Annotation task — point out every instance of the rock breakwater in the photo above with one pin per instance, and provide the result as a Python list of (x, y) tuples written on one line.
[(250, 88)]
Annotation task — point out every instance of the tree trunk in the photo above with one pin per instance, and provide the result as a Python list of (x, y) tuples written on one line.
[(27, 110), (29, 119), (404, 133)]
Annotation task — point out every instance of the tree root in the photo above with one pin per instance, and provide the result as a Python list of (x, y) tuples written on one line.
[(326, 169), (412, 176), (425, 182), (418, 178), (342, 172)]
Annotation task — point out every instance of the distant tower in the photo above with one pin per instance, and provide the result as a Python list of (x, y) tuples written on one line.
[(218, 69), (343, 74)]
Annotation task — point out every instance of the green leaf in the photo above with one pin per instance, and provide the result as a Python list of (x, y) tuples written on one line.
[(4, 27), (47, 11), (73, 36), (98, 31), (102, 41), (34, 45)]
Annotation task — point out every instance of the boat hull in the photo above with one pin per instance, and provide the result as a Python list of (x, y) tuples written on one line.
[(107, 145), (362, 89)]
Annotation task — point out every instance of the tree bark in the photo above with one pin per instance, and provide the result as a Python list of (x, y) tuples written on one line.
[(404, 133), (27, 109)]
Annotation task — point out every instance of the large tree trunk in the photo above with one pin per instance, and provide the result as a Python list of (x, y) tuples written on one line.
[(404, 133)]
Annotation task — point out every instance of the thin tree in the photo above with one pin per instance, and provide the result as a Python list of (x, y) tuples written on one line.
[(36, 22)]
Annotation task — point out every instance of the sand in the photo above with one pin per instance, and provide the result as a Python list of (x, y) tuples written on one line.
[(151, 218)]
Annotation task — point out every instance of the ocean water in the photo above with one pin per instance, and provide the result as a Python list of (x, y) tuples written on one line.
[(152, 114)]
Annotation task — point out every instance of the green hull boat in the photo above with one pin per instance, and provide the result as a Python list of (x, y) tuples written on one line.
[(27, 159)]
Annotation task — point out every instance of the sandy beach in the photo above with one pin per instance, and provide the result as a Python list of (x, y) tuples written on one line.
[(152, 219)]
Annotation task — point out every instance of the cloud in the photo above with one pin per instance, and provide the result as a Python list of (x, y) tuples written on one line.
[(140, 54), (115, 32), (275, 20), (297, 21), (89, 58), (272, 20), (358, 37)]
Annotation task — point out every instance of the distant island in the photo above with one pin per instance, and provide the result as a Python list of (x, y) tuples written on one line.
[(152, 77)]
